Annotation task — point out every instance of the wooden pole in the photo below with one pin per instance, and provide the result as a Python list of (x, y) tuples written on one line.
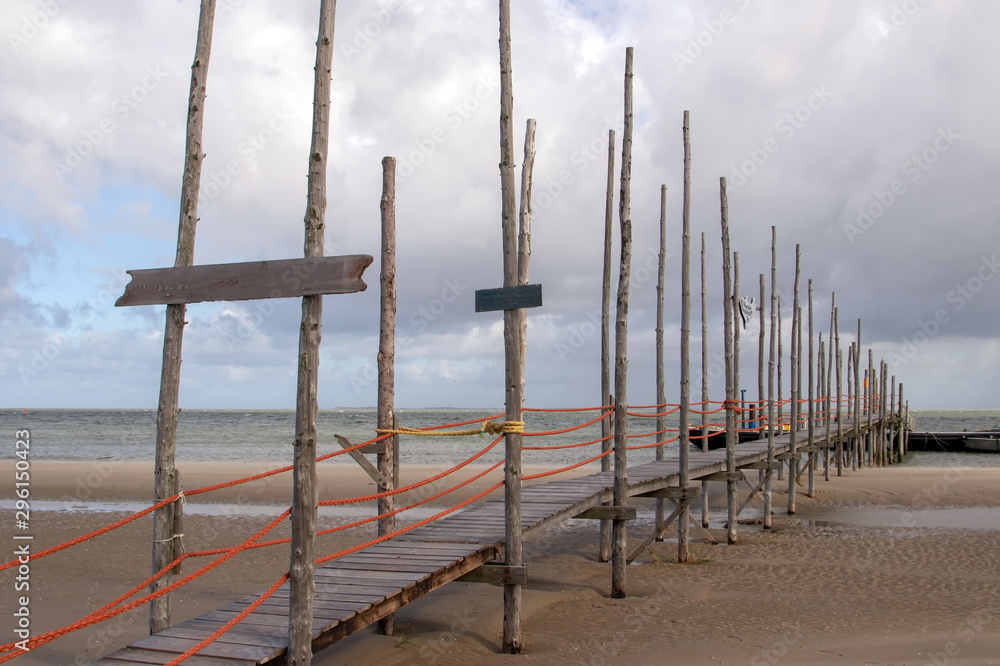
[(514, 328), (811, 426), (840, 391), (303, 547), (795, 389), (888, 414), (873, 459), (781, 353), (619, 553), (902, 425), (607, 428), (684, 445), (704, 367), (852, 401), (727, 301), (828, 386), (524, 221), (761, 394), (387, 357), (165, 481), (661, 391), (769, 474), (858, 390), (737, 329)]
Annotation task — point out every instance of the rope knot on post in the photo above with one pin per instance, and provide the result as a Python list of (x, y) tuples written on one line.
[(507, 427)]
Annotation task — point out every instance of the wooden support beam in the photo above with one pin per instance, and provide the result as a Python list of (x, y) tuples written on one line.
[(673, 493), (608, 513), (658, 532), (365, 464), (762, 465), (497, 574), (729, 477), (281, 278)]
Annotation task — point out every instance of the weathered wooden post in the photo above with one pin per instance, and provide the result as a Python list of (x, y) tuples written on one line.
[(737, 327), (769, 472), (618, 527), (761, 395), (870, 392), (387, 359), (607, 427), (902, 424), (840, 391), (831, 358), (727, 301), (684, 444), (303, 519), (704, 372), (811, 412), (795, 389), (661, 391), (165, 480)]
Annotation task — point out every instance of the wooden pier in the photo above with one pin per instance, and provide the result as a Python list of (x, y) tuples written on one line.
[(357, 590)]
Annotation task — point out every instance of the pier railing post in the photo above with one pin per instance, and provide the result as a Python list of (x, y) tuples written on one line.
[(795, 388), (607, 424), (730, 404), (165, 482), (387, 357), (618, 528)]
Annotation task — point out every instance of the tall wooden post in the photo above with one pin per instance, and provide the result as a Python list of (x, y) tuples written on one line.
[(303, 547), (793, 454), (781, 372), (852, 402), (607, 428), (858, 390), (704, 365), (727, 301), (873, 458), (902, 424), (840, 391), (737, 328), (761, 395), (828, 387), (811, 426), (684, 445), (387, 357), (618, 528), (890, 410), (514, 328), (661, 391), (769, 473), (165, 481)]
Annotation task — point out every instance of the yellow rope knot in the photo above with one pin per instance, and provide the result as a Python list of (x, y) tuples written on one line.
[(489, 428), (507, 427)]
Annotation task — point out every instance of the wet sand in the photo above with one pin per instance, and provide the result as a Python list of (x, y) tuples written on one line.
[(891, 566)]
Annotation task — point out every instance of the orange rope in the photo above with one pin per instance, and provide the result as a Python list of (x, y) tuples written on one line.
[(565, 430), (566, 469), (229, 625), (568, 446)]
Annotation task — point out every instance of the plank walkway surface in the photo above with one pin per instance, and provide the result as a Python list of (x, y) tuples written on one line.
[(357, 590)]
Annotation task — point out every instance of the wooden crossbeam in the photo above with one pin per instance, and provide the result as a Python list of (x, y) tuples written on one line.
[(497, 574), (251, 280), (366, 464)]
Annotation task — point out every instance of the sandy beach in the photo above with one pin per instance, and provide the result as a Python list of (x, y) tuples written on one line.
[(884, 566)]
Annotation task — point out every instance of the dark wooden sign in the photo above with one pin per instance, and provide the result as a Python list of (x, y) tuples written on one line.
[(509, 298), (283, 278)]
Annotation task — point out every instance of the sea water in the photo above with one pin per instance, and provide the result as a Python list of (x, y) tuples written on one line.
[(267, 435)]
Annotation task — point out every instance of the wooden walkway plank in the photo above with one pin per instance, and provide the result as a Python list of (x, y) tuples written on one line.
[(359, 589)]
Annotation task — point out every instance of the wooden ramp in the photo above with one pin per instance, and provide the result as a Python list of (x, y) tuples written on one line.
[(357, 590)]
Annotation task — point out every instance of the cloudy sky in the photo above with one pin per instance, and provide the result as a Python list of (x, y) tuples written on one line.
[(865, 130)]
